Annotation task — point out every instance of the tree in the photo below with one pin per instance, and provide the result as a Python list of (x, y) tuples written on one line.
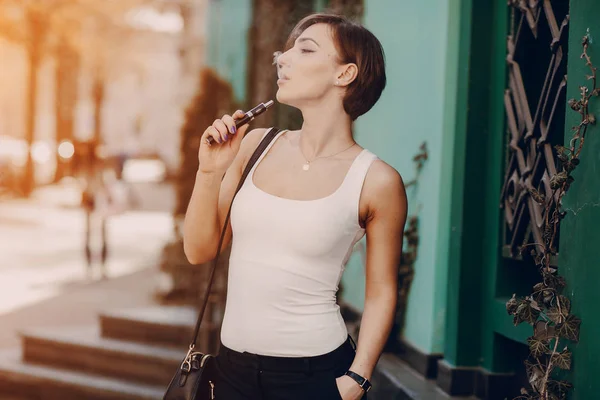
[(264, 40), (353, 9), (67, 85)]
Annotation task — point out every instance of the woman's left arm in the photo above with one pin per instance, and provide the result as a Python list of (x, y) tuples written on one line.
[(386, 202)]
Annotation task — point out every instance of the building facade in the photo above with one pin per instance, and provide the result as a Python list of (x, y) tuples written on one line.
[(149, 67)]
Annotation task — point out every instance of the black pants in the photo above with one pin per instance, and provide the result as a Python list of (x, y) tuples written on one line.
[(247, 376)]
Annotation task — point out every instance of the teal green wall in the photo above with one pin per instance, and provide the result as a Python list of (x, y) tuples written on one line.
[(228, 22), (475, 312), (456, 117), (580, 230), (411, 111), (478, 330)]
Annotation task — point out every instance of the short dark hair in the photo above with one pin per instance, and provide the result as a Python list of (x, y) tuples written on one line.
[(355, 44)]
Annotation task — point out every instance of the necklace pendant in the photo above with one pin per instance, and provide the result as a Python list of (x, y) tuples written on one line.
[(306, 166)]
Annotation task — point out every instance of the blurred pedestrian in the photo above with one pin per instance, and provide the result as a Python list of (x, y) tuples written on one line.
[(95, 199)]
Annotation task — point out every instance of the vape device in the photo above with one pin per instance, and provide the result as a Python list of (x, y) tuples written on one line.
[(248, 117)]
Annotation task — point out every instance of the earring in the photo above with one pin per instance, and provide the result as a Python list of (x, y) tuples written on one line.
[(337, 82)]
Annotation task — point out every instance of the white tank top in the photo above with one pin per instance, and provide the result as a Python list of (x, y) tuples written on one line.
[(287, 259)]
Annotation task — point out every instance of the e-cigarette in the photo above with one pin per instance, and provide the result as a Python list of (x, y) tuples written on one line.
[(248, 117)]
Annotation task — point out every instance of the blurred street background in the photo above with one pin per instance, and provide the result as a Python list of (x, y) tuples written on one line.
[(93, 97)]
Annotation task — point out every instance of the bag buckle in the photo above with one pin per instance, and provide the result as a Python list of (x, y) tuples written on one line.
[(191, 362)]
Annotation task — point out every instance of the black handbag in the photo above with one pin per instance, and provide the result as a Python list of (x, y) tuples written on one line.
[(196, 377)]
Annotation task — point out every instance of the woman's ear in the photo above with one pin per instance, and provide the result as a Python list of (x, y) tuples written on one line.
[(347, 75)]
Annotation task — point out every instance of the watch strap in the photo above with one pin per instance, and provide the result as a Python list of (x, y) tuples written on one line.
[(363, 382)]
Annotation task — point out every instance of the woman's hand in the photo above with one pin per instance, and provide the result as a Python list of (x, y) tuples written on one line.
[(218, 156), (349, 389)]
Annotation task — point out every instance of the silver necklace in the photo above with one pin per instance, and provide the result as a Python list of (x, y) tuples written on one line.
[(306, 165)]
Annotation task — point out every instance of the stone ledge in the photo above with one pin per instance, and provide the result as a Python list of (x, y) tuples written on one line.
[(394, 379), (475, 381), (423, 363)]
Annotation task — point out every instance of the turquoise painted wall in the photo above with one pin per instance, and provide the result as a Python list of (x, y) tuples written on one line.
[(411, 111), (228, 22)]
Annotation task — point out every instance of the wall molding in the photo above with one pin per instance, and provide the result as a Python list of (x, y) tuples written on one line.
[(474, 381)]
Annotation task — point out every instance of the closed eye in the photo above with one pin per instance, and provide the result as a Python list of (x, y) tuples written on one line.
[(307, 51)]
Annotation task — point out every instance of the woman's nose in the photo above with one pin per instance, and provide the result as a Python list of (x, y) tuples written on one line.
[(279, 62), (281, 59), (276, 56)]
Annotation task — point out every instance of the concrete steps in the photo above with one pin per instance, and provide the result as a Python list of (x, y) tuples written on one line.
[(82, 349), (130, 354), (21, 380), (166, 326)]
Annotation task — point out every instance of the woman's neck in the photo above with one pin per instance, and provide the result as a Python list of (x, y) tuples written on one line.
[(324, 133)]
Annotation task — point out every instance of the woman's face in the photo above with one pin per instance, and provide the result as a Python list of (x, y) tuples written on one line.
[(308, 70)]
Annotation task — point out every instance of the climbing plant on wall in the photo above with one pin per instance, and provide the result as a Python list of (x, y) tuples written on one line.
[(547, 308)]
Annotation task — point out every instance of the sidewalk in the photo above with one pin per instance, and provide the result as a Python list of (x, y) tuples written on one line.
[(42, 265), (79, 304)]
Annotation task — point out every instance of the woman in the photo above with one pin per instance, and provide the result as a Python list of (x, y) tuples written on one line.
[(309, 198)]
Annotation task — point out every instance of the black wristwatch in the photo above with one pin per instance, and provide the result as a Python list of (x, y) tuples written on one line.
[(363, 382)]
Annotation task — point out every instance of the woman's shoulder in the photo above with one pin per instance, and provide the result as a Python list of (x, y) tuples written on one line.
[(382, 178), (251, 139), (254, 136)]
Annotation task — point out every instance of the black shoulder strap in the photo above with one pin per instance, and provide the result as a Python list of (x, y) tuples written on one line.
[(255, 156)]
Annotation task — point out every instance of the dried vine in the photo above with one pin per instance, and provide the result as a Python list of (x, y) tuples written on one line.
[(547, 309), (406, 269)]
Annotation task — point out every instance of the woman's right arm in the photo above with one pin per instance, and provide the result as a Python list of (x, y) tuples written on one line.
[(220, 169)]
